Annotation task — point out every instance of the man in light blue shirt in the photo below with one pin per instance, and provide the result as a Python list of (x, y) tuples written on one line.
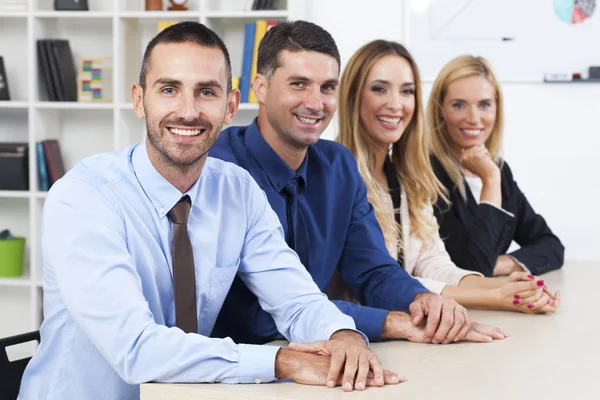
[(107, 243)]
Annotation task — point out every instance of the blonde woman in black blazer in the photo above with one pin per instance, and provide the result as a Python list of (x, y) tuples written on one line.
[(488, 210)]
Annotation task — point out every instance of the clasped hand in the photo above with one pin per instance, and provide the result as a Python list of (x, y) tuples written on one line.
[(527, 293), (343, 360)]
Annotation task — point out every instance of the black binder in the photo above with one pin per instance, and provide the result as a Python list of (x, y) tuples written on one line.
[(14, 164), (4, 94), (71, 5)]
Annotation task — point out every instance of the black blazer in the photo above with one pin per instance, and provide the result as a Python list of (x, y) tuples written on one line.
[(477, 234)]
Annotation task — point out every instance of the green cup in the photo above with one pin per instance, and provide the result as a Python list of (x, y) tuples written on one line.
[(11, 257)]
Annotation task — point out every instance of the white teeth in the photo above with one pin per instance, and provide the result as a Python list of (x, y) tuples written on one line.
[(392, 121), (185, 132), (472, 132), (305, 120)]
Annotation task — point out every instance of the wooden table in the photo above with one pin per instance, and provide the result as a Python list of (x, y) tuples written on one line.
[(553, 356)]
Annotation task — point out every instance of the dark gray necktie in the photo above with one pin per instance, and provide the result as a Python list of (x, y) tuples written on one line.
[(296, 236), (184, 274)]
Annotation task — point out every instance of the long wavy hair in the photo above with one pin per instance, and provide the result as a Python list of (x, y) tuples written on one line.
[(442, 146), (409, 155)]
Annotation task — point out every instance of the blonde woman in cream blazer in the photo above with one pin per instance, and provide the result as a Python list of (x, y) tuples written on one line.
[(431, 265), (381, 122)]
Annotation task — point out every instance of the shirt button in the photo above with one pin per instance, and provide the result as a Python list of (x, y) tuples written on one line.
[(257, 381), (162, 210)]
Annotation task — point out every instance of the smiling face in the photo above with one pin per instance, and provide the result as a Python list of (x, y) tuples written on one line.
[(388, 100), (185, 102), (470, 111), (300, 98)]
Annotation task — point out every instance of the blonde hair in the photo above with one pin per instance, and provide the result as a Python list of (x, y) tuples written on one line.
[(409, 155), (442, 146)]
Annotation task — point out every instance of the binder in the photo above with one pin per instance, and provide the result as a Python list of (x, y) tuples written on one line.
[(14, 164), (4, 93), (245, 82)]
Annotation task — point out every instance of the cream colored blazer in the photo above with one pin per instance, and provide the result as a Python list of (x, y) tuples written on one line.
[(430, 265)]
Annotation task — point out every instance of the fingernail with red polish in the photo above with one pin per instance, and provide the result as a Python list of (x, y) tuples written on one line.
[(515, 302), (530, 306), (530, 276), (517, 296), (540, 283), (552, 302)]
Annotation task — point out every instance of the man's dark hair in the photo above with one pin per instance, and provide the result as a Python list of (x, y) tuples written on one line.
[(186, 32), (293, 36)]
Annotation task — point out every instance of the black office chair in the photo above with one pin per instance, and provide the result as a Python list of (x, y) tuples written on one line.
[(11, 372)]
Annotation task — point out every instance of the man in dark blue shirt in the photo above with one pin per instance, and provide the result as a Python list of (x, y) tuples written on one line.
[(316, 190)]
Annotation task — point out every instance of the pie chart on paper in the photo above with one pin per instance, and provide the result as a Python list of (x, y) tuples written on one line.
[(574, 11)]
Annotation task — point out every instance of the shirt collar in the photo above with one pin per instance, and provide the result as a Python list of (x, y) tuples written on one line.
[(278, 172), (161, 192)]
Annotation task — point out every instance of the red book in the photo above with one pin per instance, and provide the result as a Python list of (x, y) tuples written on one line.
[(54, 161), (270, 24)]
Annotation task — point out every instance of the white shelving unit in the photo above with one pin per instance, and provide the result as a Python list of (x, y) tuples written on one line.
[(117, 28)]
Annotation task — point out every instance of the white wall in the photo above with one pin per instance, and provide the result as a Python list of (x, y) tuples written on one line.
[(552, 131)]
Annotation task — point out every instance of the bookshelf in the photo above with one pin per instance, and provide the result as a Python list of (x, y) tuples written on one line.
[(117, 28)]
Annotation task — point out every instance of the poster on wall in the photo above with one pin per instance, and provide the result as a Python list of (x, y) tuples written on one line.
[(523, 40)]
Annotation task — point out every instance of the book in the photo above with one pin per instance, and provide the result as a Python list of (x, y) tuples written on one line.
[(4, 93), (261, 29), (54, 160), (245, 83), (68, 73), (161, 25), (43, 65), (42, 169), (271, 23), (56, 66), (55, 73), (71, 5), (14, 164)]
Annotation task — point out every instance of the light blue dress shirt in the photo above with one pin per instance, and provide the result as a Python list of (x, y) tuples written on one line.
[(109, 314)]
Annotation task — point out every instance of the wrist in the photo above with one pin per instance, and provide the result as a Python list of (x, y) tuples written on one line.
[(515, 266), (396, 325), (347, 335), (497, 299), (421, 295), (491, 179), (284, 364)]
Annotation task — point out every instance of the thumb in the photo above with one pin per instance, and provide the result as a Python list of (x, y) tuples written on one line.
[(417, 313), (522, 286), (311, 348)]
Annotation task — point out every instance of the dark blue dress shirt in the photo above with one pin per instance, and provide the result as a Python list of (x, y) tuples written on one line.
[(329, 222)]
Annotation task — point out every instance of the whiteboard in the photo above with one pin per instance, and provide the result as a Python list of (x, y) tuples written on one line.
[(522, 39)]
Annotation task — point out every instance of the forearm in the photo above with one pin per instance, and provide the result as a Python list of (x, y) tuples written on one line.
[(391, 288), (541, 257), (368, 320), (491, 191), (167, 355), (506, 265), (472, 296), (476, 281)]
